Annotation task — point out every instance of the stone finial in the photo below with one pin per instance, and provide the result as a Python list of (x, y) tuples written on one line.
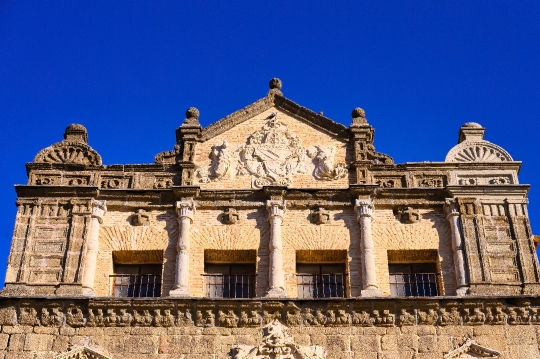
[(76, 133), (359, 116), (192, 116), (470, 132), (275, 83)]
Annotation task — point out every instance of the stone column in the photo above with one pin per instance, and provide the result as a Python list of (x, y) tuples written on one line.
[(364, 211), (276, 208), (452, 211), (185, 210), (92, 247)]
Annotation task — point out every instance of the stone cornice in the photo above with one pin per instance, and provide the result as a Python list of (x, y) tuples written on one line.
[(502, 191)]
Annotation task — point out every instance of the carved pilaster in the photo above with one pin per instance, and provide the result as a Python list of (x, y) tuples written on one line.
[(99, 209), (364, 211), (276, 209), (185, 210), (452, 211)]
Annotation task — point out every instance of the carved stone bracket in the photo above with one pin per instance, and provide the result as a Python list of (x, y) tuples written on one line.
[(140, 218), (230, 216), (320, 216), (409, 215)]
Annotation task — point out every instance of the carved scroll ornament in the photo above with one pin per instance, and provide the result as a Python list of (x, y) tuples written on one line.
[(278, 343), (271, 156)]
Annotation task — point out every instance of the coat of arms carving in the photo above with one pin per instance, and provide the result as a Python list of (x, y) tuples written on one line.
[(271, 156), (277, 343)]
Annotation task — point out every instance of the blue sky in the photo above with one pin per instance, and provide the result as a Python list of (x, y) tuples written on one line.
[(128, 70)]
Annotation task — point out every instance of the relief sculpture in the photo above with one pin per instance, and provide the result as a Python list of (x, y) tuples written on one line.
[(271, 156), (277, 343)]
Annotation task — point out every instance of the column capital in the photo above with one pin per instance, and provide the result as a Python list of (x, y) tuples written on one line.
[(185, 209), (275, 208), (364, 207), (451, 208), (99, 208)]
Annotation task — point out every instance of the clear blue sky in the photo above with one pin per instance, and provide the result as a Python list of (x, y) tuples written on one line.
[(128, 70)]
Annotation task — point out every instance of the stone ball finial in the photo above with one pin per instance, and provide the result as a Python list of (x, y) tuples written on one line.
[(472, 124), (76, 133), (192, 113), (275, 83), (358, 112)]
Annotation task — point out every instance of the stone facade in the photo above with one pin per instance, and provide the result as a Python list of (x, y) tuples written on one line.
[(272, 187)]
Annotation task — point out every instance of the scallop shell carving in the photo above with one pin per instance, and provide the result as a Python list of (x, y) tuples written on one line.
[(69, 153), (477, 152)]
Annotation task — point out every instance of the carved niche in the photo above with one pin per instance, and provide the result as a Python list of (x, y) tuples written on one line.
[(278, 343), (271, 156)]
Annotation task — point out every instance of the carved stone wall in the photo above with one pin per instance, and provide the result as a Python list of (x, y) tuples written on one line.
[(117, 233), (430, 232), (160, 329)]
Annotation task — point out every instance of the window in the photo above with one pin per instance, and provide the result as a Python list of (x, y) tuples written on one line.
[(230, 280), (321, 280), (414, 280), (142, 280)]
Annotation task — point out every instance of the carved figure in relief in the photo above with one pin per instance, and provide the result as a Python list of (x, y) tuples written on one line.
[(474, 318), (205, 318), (362, 318), (325, 169), (227, 319), (111, 319), (184, 318), (28, 316), (518, 316), (294, 316), (249, 318), (386, 319), (95, 320), (406, 318), (75, 317), (124, 319), (144, 320), (496, 315), (427, 318), (450, 318), (55, 319), (277, 343), (316, 320), (271, 156), (165, 320), (270, 314), (333, 319)]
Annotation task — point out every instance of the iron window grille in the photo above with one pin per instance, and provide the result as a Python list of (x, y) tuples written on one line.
[(415, 280)]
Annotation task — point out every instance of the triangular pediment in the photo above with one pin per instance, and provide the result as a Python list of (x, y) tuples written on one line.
[(82, 353), (276, 100), (471, 349)]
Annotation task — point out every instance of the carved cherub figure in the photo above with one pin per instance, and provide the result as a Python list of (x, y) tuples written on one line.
[(406, 318), (363, 318)]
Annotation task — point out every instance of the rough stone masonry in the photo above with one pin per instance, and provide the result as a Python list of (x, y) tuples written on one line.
[(273, 233)]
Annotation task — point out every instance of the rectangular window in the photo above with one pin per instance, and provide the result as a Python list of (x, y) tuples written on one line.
[(230, 280), (134, 281), (321, 280), (414, 280)]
